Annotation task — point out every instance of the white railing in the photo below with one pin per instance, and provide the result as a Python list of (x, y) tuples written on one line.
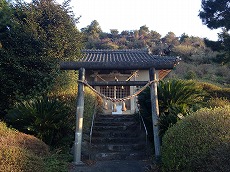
[(143, 123), (92, 124)]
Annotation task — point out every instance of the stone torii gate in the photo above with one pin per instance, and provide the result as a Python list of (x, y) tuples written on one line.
[(119, 60)]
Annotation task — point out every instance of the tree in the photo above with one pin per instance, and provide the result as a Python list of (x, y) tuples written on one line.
[(34, 38), (92, 35), (183, 37), (144, 31), (114, 32), (93, 29), (170, 39), (215, 14)]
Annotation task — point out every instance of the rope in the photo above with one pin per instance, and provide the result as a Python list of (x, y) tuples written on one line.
[(100, 78), (118, 99), (134, 73)]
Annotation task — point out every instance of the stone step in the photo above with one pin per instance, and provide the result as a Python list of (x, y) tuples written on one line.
[(121, 140), (114, 134), (115, 128), (115, 118), (115, 123), (117, 137), (119, 147), (134, 155)]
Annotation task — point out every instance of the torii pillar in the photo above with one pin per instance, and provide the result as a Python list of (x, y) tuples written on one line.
[(79, 119), (155, 112)]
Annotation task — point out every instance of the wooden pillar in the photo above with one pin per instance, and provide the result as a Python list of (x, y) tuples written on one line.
[(123, 106), (79, 119), (155, 112), (115, 96)]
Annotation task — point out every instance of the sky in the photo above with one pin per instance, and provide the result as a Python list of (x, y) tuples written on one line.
[(163, 16)]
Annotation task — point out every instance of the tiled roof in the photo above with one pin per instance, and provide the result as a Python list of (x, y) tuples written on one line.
[(121, 59)]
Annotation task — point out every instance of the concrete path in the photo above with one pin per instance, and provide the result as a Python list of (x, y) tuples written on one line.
[(114, 166)]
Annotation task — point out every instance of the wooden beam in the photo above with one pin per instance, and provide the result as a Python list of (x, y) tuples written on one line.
[(117, 83), (79, 119), (155, 113)]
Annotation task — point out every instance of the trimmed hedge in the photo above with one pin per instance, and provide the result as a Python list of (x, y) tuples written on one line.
[(20, 152), (199, 142), (215, 91)]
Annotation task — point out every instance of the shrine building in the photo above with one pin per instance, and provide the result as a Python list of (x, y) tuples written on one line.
[(118, 76)]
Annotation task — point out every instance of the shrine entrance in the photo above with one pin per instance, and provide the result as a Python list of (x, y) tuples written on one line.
[(116, 92), (118, 76)]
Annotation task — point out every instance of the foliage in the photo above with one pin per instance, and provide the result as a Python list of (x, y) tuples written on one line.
[(52, 118), (170, 44), (215, 13), (224, 37), (215, 91), (179, 94), (222, 46), (199, 142), (202, 70), (57, 161), (20, 152), (217, 102), (46, 118), (91, 103), (34, 38), (176, 98)]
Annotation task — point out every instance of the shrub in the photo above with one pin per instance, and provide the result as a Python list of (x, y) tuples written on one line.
[(176, 97), (91, 101), (46, 118), (217, 102), (190, 75), (52, 118), (20, 152), (199, 142), (215, 91)]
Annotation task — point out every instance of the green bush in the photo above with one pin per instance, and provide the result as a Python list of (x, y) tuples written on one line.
[(199, 142), (190, 75), (176, 98), (215, 91), (91, 101), (217, 102), (46, 118), (52, 118)]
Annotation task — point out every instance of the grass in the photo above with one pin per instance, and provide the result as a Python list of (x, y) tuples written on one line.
[(58, 160)]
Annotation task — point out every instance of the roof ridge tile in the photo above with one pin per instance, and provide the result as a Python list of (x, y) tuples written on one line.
[(114, 51)]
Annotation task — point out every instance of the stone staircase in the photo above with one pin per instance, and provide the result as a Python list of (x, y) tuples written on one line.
[(118, 137)]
